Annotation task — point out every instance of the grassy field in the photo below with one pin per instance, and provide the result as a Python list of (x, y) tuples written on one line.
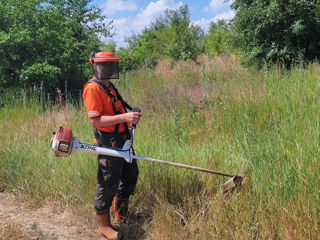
[(216, 114)]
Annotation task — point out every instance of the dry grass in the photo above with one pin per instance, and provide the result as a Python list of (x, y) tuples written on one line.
[(22, 218), (11, 231)]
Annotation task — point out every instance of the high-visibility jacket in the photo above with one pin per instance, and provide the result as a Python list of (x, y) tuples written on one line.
[(98, 103)]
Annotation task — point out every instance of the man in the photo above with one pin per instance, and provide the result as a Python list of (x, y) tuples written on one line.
[(108, 115)]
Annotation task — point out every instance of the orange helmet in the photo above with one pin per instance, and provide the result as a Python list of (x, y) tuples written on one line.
[(102, 57)]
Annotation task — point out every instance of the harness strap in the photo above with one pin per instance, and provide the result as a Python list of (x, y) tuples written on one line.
[(113, 98), (124, 103)]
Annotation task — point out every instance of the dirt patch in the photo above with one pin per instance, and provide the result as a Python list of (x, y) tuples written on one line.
[(25, 220)]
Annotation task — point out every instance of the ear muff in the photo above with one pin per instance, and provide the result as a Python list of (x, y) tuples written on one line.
[(91, 58)]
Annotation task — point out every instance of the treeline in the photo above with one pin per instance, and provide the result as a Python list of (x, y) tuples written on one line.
[(173, 37), (264, 32), (47, 43)]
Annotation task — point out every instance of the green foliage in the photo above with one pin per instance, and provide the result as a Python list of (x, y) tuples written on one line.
[(216, 41), (129, 59), (185, 40), (39, 72), (277, 31), (48, 41), (172, 36), (110, 47)]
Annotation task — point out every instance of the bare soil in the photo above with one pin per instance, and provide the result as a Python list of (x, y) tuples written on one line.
[(21, 219)]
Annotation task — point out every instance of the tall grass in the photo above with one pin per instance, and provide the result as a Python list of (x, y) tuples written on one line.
[(215, 114)]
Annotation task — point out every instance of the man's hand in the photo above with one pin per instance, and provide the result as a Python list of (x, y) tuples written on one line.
[(133, 117)]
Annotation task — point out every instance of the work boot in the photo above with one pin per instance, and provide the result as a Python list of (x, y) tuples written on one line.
[(120, 207), (106, 228)]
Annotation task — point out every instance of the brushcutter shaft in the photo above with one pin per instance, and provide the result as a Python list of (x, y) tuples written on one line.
[(64, 144), (181, 165), (128, 156)]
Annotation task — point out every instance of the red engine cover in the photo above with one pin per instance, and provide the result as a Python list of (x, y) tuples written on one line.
[(64, 134)]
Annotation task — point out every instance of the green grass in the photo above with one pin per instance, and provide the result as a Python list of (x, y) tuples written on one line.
[(263, 124)]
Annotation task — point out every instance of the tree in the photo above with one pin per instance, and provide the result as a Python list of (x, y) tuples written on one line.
[(110, 47), (170, 36), (216, 40), (186, 37), (48, 42), (278, 31)]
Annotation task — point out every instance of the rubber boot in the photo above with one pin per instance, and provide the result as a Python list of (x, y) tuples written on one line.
[(120, 207), (106, 228)]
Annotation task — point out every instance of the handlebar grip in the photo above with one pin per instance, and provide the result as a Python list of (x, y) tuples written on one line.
[(135, 109)]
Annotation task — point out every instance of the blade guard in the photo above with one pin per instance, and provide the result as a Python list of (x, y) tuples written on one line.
[(62, 142)]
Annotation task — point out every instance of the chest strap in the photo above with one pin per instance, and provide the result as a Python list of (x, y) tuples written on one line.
[(113, 98)]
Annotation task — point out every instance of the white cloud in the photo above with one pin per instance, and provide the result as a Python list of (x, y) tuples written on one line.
[(206, 9), (112, 6), (205, 23), (125, 26), (225, 15), (217, 5), (153, 11)]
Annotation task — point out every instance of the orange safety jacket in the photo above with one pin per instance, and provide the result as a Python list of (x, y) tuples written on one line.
[(101, 100)]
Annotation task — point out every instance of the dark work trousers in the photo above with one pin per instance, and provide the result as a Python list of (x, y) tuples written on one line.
[(117, 178)]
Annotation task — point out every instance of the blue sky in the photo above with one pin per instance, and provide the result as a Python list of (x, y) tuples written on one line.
[(132, 16)]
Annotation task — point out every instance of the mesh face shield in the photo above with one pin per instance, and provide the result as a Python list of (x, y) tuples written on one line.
[(107, 70)]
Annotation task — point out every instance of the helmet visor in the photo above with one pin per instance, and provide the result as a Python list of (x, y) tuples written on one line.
[(107, 70)]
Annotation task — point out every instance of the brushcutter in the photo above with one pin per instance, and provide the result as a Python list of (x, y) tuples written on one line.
[(64, 144)]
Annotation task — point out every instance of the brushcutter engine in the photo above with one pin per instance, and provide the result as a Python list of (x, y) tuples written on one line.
[(62, 142)]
